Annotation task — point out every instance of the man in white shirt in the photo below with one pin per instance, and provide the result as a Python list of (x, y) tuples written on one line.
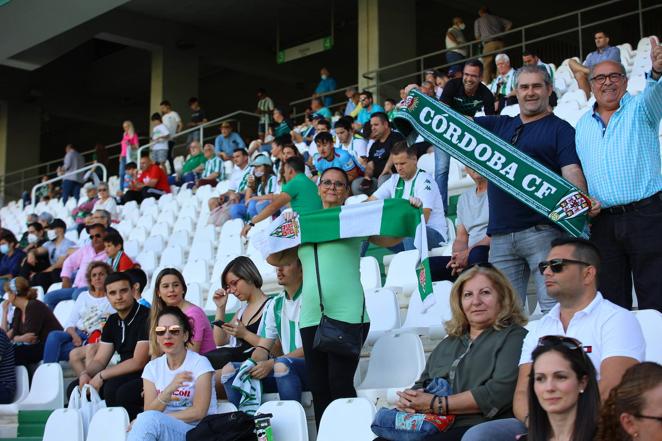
[(411, 182), (173, 122), (346, 140), (610, 335), (503, 86), (238, 182), (160, 140)]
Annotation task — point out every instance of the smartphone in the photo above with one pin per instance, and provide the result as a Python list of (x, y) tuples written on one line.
[(218, 323)]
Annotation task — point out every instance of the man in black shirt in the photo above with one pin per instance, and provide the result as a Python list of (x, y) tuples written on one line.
[(198, 116), (379, 167), (468, 95), (126, 332)]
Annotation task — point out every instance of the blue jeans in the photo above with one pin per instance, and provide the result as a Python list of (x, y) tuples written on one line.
[(255, 207), (454, 57), (122, 171), (498, 430), (153, 425), (59, 344), (70, 188), (7, 393), (434, 239), (54, 297), (238, 211), (517, 255), (442, 162)]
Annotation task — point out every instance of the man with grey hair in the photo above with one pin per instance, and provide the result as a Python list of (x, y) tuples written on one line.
[(352, 100), (618, 145), (503, 86), (521, 236)]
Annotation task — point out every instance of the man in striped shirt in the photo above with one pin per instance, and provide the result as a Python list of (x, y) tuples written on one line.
[(618, 147), (279, 333), (213, 168), (503, 86)]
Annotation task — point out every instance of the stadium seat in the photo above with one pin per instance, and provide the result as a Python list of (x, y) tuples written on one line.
[(147, 261), (180, 238), (155, 243), (139, 234), (132, 248), (47, 391), (173, 256), (206, 234), (183, 223), (429, 320), (166, 200), (54, 286), (196, 271), (146, 221), (353, 200), (371, 275), (651, 324), (63, 421), (426, 163), (288, 421), (161, 229), (194, 293), (201, 250), (347, 419), (22, 391), (401, 275), (384, 312), (109, 424), (63, 310), (232, 228), (403, 353), (225, 407), (72, 235)]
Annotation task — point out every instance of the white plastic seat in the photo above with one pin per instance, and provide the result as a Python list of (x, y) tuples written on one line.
[(205, 234), (356, 199), (384, 312), (22, 391), (183, 223), (139, 234), (230, 245), (172, 257), (196, 271), (201, 250), (180, 238), (651, 324), (63, 421), (225, 407), (371, 275), (404, 356), (132, 248), (167, 216), (401, 275), (146, 221), (429, 321), (47, 391), (109, 424), (232, 228), (347, 419), (147, 261), (72, 235), (54, 286), (194, 293), (154, 243), (166, 200), (160, 229), (288, 421), (203, 193), (63, 310)]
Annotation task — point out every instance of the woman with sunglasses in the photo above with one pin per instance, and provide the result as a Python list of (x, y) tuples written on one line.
[(106, 202), (331, 375), (170, 290), (478, 359), (238, 337), (564, 399), (177, 385), (633, 410)]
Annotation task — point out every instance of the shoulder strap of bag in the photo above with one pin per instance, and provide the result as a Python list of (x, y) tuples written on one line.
[(319, 282)]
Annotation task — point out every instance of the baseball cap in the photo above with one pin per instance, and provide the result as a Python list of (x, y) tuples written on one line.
[(261, 160)]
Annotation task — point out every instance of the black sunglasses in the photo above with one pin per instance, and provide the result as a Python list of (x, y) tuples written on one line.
[(556, 265), (96, 236), (560, 340), (518, 132)]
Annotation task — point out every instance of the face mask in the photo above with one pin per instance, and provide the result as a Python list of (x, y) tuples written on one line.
[(4, 248), (51, 234), (258, 174), (324, 77), (462, 26), (32, 238)]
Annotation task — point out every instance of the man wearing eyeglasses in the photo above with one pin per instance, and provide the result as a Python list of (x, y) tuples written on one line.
[(619, 149), (77, 263), (609, 335), (520, 236)]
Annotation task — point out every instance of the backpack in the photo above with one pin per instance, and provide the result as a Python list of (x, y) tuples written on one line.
[(233, 426)]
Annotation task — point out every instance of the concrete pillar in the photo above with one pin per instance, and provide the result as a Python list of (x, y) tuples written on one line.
[(386, 35), (174, 78)]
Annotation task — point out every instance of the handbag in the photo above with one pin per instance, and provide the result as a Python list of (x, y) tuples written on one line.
[(86, 406), (232, 426), (335, 336)]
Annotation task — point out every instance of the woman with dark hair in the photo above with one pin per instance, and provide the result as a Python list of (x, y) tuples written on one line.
[(633, 410), (12, 256), (32, 321), (262, 185), (564, 399), (170, 290), (282, 124), (242, 279), (177, 385)]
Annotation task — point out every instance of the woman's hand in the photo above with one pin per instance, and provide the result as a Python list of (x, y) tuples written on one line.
[(220, 298), (236, 328), (177, 382), (289, 216), (5, 307), (414, 401), (262, 369)]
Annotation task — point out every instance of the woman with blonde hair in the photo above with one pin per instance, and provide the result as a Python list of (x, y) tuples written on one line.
[(476, 365), (32, 321), (129, 152), (633, 410)]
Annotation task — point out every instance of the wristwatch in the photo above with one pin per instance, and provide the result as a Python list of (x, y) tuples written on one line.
[(251, 223)]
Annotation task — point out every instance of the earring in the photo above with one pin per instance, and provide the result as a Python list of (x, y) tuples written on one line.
[(636, 435), (581, 391)]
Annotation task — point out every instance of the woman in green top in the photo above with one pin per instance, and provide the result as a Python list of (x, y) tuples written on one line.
[(282, 125), (331, 376), (480, 356)]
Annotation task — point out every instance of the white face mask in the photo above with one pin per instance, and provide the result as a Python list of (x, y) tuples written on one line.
[(4, 248), (258, 174), (462, 26), (324, 77), (51, 234), (32, 238)]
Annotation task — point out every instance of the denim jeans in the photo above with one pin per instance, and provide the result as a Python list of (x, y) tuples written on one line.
[(454, 57), (498, 430), (122, 171), (434, 239), (7, 393), (59, 344), (442, 163), (153, 425), (255, 207), (69, 189), (54, 297), (517, 255)]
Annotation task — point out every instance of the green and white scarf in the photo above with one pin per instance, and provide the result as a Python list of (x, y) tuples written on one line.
[(502, 164), (390, 217)]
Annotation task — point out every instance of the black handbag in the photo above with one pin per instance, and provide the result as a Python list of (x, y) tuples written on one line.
[(233, 426), (335, 336)]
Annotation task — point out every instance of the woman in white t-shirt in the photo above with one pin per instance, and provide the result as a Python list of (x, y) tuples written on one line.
[(177, 385), (106, 202)]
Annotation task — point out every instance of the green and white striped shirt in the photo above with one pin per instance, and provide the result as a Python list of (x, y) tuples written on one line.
[(214, 165), (270, 187), (503, 84), (281, 321)]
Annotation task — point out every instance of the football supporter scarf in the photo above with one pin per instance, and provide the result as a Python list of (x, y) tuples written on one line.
[(249, 388), (503, 165), (390, 217)]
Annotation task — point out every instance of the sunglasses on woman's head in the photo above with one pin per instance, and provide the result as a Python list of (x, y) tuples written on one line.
[(173, 330), (560, 340), (557, 265)]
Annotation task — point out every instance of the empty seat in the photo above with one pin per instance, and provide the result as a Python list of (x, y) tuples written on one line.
[(109, 424), (201, 250), (47, 391), (161, 229), (194, 293), (147, 261), (225, 407), (196, 271), (63, 310), (429, 319), (383, 310), (63, 421), (371, 275), (401, 275), (154, 243), (651, 324), (426, 163), (173, 256), (132, 248), (347, 419), (288, 421), (139, 234)]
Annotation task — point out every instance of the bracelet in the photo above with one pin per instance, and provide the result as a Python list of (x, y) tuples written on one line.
[(101, 376), (434, 397), (158, 397), (447, 408)]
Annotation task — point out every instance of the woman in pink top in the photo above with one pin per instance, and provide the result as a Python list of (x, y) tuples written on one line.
[(129, 151), (170, 290)]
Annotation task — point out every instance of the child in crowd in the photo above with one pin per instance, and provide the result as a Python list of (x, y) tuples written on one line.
[(117, 258), (138, 282)]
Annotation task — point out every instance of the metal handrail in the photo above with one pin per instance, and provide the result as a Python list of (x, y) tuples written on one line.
[(33, 194), (201, 127), (331, 92)]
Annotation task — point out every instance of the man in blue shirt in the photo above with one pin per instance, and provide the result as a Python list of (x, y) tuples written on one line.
[(603, 52), (368, 107), (328, 157), (327, 84), (227, 142), (521, 237), (619, 149)]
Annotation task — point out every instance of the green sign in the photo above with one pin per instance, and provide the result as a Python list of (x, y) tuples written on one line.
[(502, 164), (303, 50)]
